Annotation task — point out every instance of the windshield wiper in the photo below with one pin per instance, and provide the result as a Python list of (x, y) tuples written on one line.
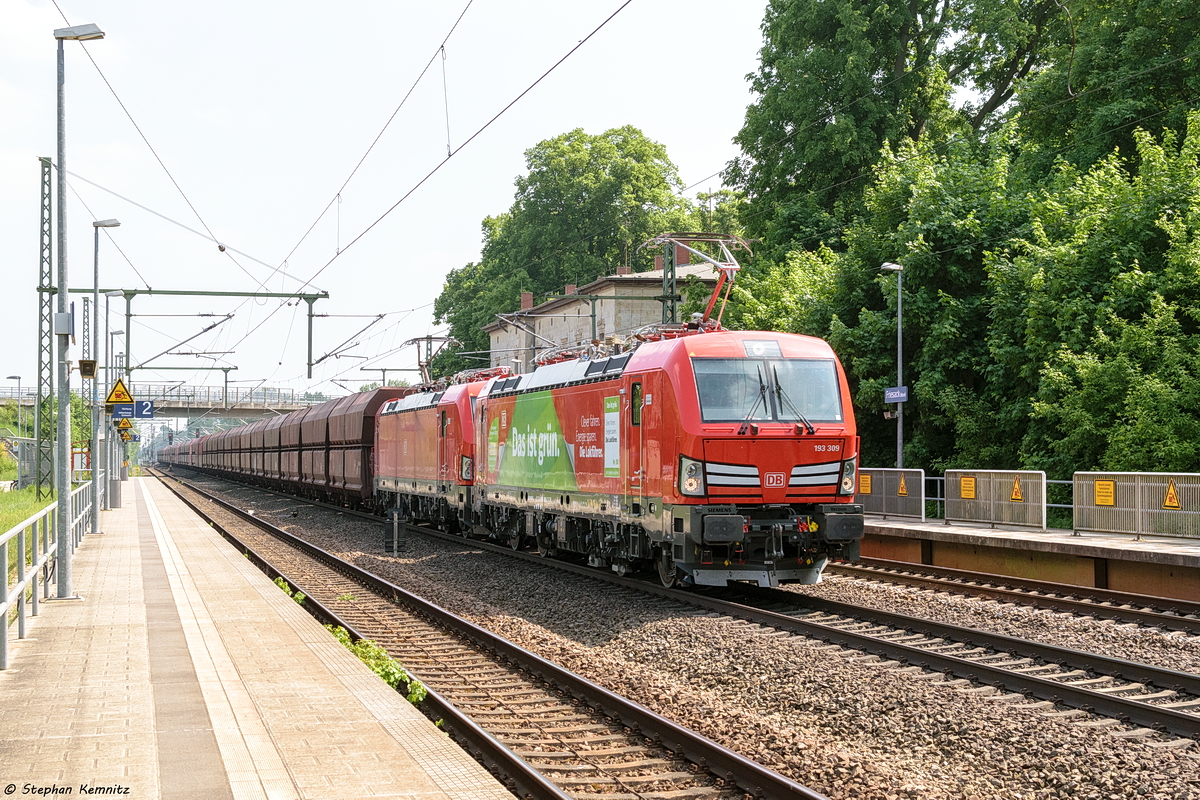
[(746, 425), (782, 395)]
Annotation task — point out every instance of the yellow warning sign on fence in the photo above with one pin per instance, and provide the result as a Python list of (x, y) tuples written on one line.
[(124, 424), (1105, 493), (1017, 496), (119, 393), (864, 483), (966, 487), (1171, 501), (902, 490)]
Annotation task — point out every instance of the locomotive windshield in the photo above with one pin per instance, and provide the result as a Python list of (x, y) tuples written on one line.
[(768, 389)]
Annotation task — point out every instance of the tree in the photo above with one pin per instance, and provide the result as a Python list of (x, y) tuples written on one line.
[(583, 209), (373, 385), (1103, 298), (1122, 66), (838, 79)]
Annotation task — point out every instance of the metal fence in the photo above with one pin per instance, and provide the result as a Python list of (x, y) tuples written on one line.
[(1012, 497), (28, 555), (207, 396), (892, 492), (1151, 503)]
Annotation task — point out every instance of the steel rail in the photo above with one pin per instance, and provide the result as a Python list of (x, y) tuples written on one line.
[(1127, 709), (1109, 705), (523, 779), (722, 762), (1167, 612)]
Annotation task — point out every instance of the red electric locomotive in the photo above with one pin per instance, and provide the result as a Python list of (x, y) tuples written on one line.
[(425, 452), (718, 456)]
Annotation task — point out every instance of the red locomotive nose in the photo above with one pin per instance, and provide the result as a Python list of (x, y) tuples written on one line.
[(780, 468)]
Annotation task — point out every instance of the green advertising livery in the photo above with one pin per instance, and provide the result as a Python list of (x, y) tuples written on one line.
[(534, 452)]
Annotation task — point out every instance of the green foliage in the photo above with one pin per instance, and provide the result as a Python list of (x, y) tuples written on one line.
[(1052, 326), (1121, 66), (583, 209), (1113, 317), (368, 387), (840, 79), (1047, 227), (10, 415), (382, 664), (298, 596), (18, 506)]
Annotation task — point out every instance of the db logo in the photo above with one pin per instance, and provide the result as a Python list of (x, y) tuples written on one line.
[(774, 480)]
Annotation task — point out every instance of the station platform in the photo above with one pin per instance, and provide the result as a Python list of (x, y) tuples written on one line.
[(1158, 565), (183, 672)]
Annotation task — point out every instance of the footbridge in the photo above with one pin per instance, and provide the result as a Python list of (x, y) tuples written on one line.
[(189, 402)]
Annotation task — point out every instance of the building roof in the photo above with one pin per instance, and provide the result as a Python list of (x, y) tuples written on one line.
[(704, 272)]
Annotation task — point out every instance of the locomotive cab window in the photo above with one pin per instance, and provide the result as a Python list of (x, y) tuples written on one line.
[(635, 404), (768, 389)]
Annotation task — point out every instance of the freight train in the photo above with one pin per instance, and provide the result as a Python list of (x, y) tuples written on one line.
[(705, 454)]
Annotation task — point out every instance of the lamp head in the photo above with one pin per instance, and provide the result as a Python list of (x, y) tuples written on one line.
[(106, 223), (891, 266), (116, 333), (115, 293), (13, 378), (82, 33)]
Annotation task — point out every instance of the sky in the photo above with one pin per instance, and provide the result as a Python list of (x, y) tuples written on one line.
[(247, 124)]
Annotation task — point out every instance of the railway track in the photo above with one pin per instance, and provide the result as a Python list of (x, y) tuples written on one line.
[(572, 737), (1136, 700), (1155, 612)]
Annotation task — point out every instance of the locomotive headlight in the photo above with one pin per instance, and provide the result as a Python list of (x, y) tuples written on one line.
[(691, 477), (849, 483), (468, 468)]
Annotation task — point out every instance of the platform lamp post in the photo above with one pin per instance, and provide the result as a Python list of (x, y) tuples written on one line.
[(20, 427), (890, 266), (108, 381), (95, 355), (113, 368), (62, 325)]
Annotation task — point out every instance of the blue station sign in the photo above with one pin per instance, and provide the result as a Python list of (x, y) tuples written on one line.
[(896, 394)]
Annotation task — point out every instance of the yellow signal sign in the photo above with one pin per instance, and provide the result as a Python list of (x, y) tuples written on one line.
[(124, 424), (1171, 501), (1017, 496), (119, 394), (902, 490), (126, 436)]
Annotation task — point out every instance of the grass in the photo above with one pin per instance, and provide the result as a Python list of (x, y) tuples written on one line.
[(16, 507)]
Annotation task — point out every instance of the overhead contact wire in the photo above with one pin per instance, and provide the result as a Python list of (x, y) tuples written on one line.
[(444, 161)]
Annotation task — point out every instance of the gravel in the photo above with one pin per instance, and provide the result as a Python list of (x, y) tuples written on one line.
[(1170, 649), (847, 728)]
